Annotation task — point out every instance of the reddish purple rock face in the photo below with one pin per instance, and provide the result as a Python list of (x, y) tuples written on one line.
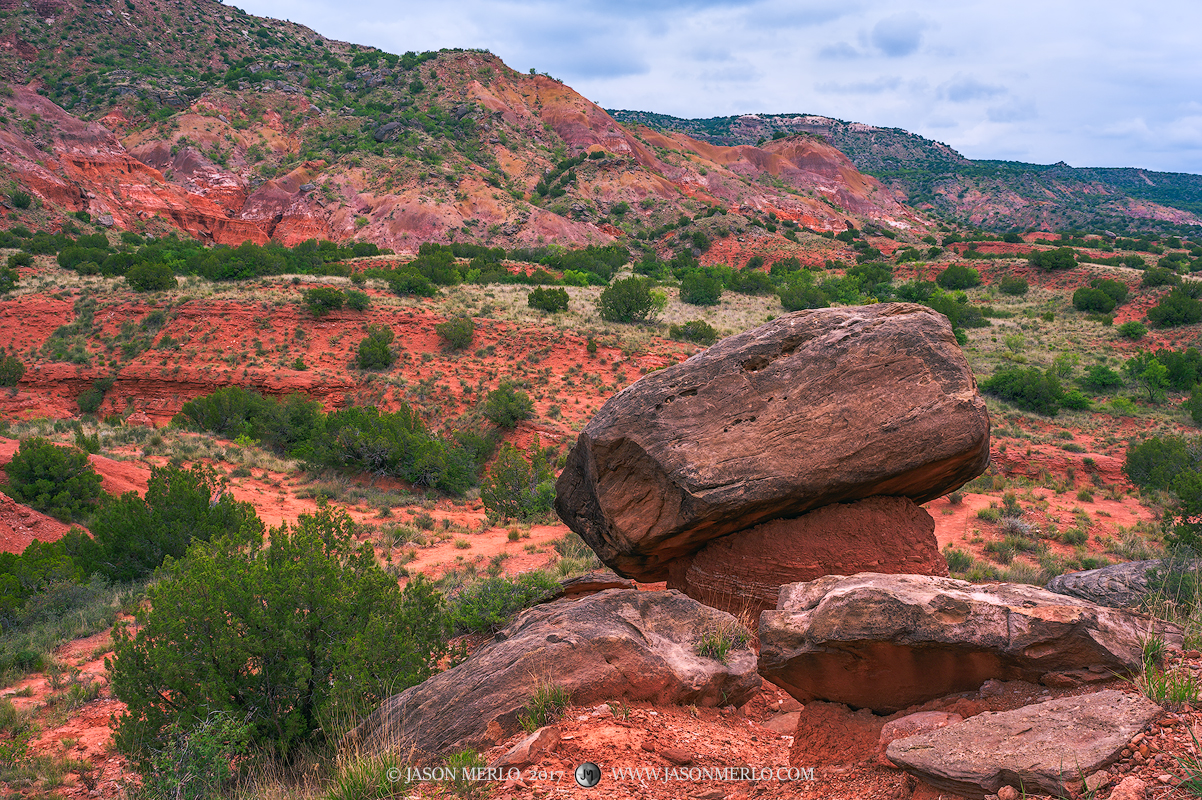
[(814, 408)]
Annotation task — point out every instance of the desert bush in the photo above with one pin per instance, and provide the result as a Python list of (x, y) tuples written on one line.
[(701, 288), (59, 481), (507, 405), (286, 638), (357, 301), (195, 763), (1031, 389), (150, 277), (1060, 258), (457, 333), (958, 276), (629, 300), (517, 486), (1013, 285), (11, 370), (799, 291), (1101, 378), (1159, 276), (1092, 300), (1175, 308), (410, 282), (694, 331), (549, 300), (374, 350), (1132, 330), (322, 300), (133, 535), (488, 605)]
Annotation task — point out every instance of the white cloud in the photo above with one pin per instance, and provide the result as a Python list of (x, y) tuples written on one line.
[(899, 34)]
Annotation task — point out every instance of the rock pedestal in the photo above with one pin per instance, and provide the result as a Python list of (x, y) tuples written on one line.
[(814, 408), (742, 573)]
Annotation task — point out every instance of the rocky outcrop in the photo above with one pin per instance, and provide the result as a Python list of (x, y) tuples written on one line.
[(912, 725), (887, 642), (817, 407), (591, 583), (1119, 585), (617, 644), (743, 573), (1040, 748)]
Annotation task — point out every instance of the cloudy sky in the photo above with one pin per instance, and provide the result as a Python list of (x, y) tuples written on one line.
[(1099, 83)]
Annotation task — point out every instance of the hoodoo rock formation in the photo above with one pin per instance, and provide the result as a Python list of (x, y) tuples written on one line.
[(815, 408)]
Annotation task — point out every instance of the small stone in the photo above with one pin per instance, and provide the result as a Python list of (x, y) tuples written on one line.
[(1130, 788), (1097, 780), (1007, 793), (677, 756)]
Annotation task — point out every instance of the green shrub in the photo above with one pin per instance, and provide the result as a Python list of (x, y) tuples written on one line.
[(196, 763), (628, 300), (11, 370), (411, 282), (489, 605), (132, 535), (1175, 308), (507, 405), (374, 350), (20, 259), (322, 300), (1060, 258), (150, 277), (701, 288), (20, 199), (800, 292), (1159, 276), (357, 301), (694, 331), (1132, 330), (1031, 389), (958, 276), (1116, 290), (59, 481), (457, 333), (1092, 300), (546, 705), (549, 300), (957, 560), (517, 487), (287, 638), (1156, 462), (1101, 378), (1013, 285)]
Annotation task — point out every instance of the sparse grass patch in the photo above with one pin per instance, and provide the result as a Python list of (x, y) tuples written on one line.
[(545, 706)]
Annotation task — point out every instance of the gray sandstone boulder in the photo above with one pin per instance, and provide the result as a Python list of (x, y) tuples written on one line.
[(1041, 748), (887, 642), (613, 645), (814, 408), (1119, 585)]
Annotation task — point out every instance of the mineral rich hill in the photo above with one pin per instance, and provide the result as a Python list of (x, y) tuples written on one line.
[(197, 116), (997, 195)]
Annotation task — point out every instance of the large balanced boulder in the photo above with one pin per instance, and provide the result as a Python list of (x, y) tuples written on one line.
[(616, 644), (1043, 748), (887, 642), (742, 573), (816, 407)]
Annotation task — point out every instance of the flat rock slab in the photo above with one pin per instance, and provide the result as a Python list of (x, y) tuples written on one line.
[(1040, 748), (887, 642), (816, 407), (1119, 585), (614, 645), (742, 573)]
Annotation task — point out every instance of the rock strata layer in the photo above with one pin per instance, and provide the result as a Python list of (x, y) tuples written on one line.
[(816, 407), (887, 642)]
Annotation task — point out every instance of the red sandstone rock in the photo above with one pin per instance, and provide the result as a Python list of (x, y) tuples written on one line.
[(816, 407), (743, 572), (830, 733)]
